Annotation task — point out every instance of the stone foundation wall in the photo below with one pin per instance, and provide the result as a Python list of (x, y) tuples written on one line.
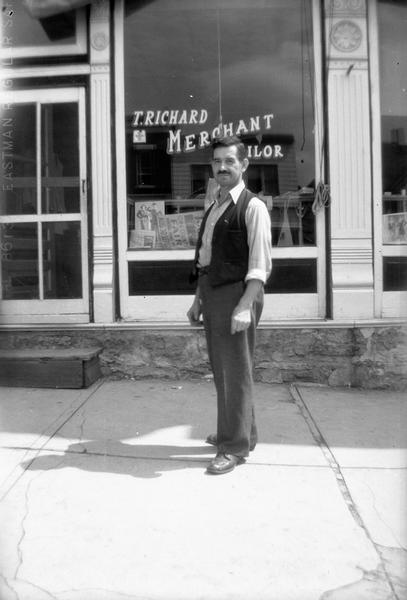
[(367, 357)]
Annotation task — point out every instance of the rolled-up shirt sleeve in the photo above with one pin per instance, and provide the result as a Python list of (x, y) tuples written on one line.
[(258, 226)]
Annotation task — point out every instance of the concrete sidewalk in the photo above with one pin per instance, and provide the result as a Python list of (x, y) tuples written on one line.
[(104, 495)]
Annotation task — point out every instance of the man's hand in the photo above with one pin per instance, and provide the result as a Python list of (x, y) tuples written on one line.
[(195, 312), (241, 316), (241, 319)]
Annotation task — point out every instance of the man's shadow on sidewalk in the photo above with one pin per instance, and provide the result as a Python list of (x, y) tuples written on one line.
[(137, 460)]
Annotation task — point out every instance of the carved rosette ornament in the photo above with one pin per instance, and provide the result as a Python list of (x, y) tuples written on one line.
[(346, 36), (99, 34), (99, 40)]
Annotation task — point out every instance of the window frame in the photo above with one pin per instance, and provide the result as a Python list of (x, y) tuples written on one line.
[(9, 53), (170, 308), (387, 304), (62, 310)]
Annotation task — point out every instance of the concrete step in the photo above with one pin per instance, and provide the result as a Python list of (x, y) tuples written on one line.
[(50, 367)]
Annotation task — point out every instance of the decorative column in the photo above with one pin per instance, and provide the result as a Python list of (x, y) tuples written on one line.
[(349, 158), (103, 280)]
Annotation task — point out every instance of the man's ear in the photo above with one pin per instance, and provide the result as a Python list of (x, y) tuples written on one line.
[(245, 164)]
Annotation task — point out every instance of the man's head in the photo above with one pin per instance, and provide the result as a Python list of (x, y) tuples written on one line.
[(229, 161)]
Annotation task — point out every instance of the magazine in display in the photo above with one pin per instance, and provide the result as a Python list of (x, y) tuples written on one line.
[(154, 229)]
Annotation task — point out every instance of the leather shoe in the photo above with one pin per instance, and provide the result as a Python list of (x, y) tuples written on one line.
[(213, 440), (224, 463)]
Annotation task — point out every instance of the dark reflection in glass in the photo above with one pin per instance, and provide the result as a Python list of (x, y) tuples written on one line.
[(289, 276), (392, 17), (395, 273), (18, 167), (293, 276), (60, 158), (62, 266), (19, 261)]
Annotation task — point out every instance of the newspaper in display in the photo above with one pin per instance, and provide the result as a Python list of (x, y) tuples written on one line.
[(154, 229), (142, 238), (179, 230), (395, 228), (146, 214)]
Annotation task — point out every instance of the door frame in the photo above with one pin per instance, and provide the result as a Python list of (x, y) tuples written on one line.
[(53, 310)]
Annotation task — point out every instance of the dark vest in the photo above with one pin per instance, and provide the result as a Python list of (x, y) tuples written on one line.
[(230, 250)]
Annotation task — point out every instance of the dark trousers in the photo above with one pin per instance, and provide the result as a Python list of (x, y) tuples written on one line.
[(231, 358)]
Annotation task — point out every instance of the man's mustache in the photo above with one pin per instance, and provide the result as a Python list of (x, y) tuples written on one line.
[(223, 172)]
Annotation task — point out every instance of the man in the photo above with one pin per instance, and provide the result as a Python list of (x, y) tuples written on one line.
[(232, 263)]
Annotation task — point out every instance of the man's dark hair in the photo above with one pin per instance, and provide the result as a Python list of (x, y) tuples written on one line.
[(230, 140)]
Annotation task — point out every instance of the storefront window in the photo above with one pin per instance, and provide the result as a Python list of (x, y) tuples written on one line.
[(392, 17), (188, 68), (192, 71)]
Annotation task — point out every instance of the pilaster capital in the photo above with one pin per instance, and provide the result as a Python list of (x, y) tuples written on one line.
[(345, 8), (346, 30), (99, 69), (99, 32), (99, 11)]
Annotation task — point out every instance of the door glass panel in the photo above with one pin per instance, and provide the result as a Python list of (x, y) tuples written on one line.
[(41, 258), (19, 261), (62, 264), (60, 158), (18, 167)]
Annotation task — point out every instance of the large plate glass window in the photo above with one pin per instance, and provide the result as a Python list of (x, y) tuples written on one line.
[(392, 23), (189, 71)]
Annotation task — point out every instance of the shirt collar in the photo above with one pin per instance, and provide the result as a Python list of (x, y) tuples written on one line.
[(234, 193)]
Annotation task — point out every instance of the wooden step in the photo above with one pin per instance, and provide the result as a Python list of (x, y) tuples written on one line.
[(50, 367)]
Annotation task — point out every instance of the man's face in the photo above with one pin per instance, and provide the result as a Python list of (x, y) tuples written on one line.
[(226, 166)]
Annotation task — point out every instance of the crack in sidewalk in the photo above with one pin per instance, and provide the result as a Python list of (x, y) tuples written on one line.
[(389, 528), (7, 585), (340, 480), (49, 437), (26, 511), (20, 559)]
